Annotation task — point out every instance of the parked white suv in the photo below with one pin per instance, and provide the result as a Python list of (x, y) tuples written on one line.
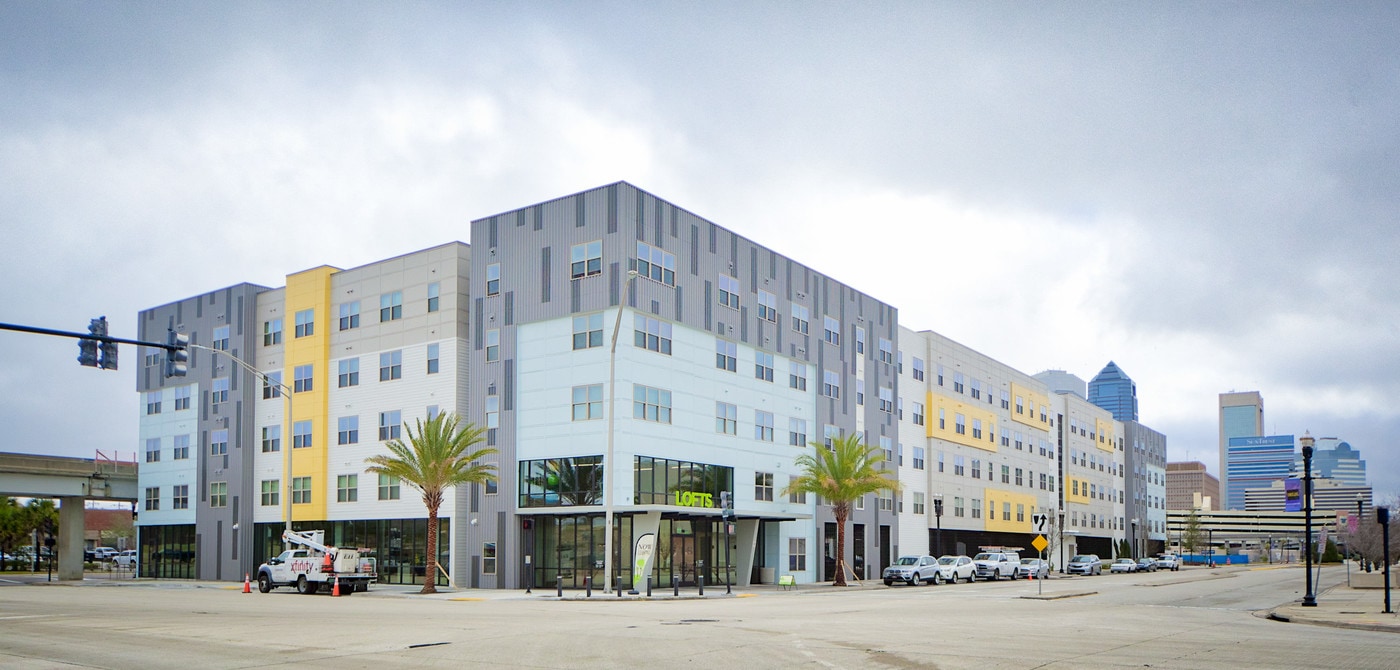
[(1168, 562), (994, 565)]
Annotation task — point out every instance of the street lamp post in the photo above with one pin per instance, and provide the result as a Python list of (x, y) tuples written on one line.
[(1360, 518), (1135, 538), (938, 524), (1309, 600), (287, 424), (608, 464), (1061, 529)]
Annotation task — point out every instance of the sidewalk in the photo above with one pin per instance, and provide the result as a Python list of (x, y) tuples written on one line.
[(1343, 607)]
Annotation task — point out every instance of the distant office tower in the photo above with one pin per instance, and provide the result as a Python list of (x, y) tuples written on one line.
[(1059, 380), (1334, 459), (1114, 391), (1189, 486), (1256, 462), (1241, 415)]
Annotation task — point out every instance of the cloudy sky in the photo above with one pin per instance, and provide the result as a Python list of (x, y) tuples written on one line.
[(1206, 194)]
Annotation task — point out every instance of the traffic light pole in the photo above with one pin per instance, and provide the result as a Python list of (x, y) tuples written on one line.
[(105, 339)]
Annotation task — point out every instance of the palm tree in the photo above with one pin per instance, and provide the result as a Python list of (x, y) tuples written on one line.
[(437, 457), (841, 474)]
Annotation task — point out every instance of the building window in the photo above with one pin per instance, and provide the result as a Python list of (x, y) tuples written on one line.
[(886, 351), (272, 332), (726, 418), (433, 359), (831, 330), (220, 391), (763, 366), (493, 279), (797, 497), (348, 430), (301, 434), (831, 384), (763, 486), (958, 382), (182, 398), (180, 496), (918, 414), (976, 468), (218, 494), (860, 391), (918, 502), (302, 377), (959, 424), (830, 433), (959, 465), (588, 331), (887, 449), (726, 355), (153, 402), (435, 295), (349, 373), (800, 316), (729, 291), (306, 323), (655, 264), (347, 488), (977, 428), (488, 558), (272, 385), (271, 439), (349, 315), (301, 490), (652, 334), (152, 498), (651, 404), (388, 487), (797, 375), (976, 507), (181, 450), (767, 306), (918, 369), (390, 365), (390, 423), (763, 425), (860, 340), (886, 400), (493, 412), (153, 450), (797, 554), (391, 306), (1019, 478), (271, 493), (919, 458), (1006, 511), (1005, 399), (976, 391), (493, 345), (586, 260), (220, 340), (957, 506), (1006, 474), (797, 432), (218, 442), (588, 402)]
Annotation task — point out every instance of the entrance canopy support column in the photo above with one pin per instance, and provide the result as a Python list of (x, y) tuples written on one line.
[(71, 520)]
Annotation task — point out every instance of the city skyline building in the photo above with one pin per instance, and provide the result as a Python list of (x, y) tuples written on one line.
[(1191, 486), (1334, 459), (1114, 391), (1241, 415), (1257, 462)]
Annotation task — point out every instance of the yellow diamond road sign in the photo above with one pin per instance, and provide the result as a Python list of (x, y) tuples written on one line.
[(1039, 543)]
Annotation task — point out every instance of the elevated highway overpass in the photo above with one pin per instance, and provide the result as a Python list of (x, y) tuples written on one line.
[(73, 481)]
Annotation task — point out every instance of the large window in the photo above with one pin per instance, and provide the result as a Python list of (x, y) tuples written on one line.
[(390, 365), (349, 373), (493, 345), (763, 486), (219, 392), (302, 376), (831, 384), (652, 334), (493, 279), (797, 432), (763, 425), (800, 318), (348, 430), (218, 442), (586, 260), (588, 402), (726, 418), (433, 360), (726, 355), (349, 315), (390, 423), (153, 450), (434, 296), (797, 375), (182, 447), (152, 498), (180, 496), (220, 340), (272, 385), (886, 351), (488, 558), (271, 439), (391, 306), (658, 480), (588, 331), (272, 332), (218, 494), (301, 434), (729, 291), (767, 306), (651, 404), (271, 493), (763, 366), (561, 482), (388, 487), (182, 397), (347, 488), (305, 323), (831, 330), (797, 554), (301, 490), (655, 264)]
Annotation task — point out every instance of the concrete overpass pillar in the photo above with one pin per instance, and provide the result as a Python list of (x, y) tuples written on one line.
[(72, 520)]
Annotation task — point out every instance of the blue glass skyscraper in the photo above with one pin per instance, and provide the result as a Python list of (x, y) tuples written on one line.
[(1112, 390)]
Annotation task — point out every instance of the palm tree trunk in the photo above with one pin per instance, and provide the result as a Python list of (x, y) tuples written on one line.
[(841, 515), (430, 569)]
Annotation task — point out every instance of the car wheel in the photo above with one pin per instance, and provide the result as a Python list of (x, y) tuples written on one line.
[(304, 587), (914, 579), (972, 578), (889, 582), (937, 578), (264, 583)]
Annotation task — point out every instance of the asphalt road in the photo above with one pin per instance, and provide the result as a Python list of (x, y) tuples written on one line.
[(1193, 619)]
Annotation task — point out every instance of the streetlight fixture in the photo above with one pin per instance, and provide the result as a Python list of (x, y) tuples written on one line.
[(938, 521), (1135, 538), (1309, 600), (608, 464)]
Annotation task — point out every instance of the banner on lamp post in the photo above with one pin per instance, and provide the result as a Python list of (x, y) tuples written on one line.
[(1292, 495)]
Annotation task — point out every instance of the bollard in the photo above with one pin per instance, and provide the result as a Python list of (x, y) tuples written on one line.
[(700, 579), (648, 586), (619, 587), (559, 585), (675, 585), (588, 586)]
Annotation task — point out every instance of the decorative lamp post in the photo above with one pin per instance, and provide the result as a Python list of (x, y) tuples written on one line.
[(1135, 539), (938, 521), (609, 466), (1360, 517), (1309, 600)]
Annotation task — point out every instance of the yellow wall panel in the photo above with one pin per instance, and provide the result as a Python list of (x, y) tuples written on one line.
[(310, 290), (1076, 490), (1028, 406), (1104, 429), (950, 408), (1022, 504)]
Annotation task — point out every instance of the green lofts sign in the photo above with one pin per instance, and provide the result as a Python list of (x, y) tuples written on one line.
[(694, 499)]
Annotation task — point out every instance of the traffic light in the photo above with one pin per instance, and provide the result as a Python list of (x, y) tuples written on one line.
[(178, 356), (107, 347), (87, 349), (726, 504)]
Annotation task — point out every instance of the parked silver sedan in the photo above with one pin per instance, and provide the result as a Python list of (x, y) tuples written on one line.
[(1032, 568), (912, 570), (954, 568)]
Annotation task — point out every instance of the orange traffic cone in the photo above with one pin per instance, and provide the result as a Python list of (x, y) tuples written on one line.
[(335, 590), (247, 586)]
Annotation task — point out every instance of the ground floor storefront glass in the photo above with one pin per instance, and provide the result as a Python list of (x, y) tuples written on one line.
[(571, 549), (398, 546), (167, 552)]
